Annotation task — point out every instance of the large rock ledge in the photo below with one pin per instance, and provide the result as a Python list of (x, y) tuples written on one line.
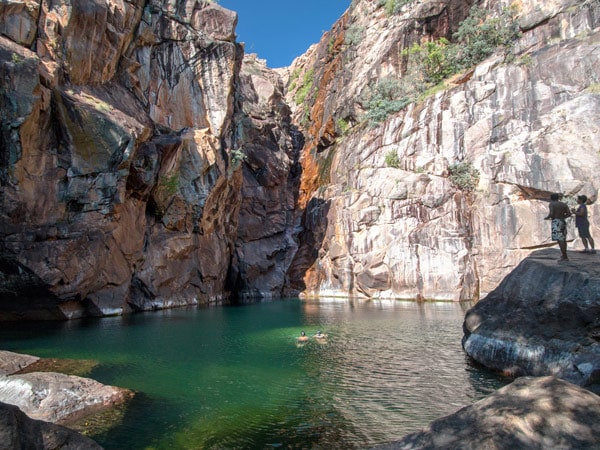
[(530, 413), (49, 397), (543, 319)]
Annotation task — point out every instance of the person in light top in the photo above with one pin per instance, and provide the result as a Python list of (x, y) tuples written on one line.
[(320, 335)]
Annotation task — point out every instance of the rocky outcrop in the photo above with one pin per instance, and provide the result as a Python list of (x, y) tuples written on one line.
[(54, 397), (532, 413), (32, 403), (19, 431), (404, 229), (543, 319)]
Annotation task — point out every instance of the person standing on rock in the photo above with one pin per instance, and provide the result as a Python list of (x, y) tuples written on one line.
[(558, 212), (583, 225)]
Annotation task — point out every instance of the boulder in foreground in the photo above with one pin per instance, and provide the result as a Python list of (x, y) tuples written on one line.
[(530, 413), (543, 319), (17, 431)]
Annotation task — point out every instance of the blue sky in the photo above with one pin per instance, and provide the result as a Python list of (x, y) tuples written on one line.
[(281, 30)]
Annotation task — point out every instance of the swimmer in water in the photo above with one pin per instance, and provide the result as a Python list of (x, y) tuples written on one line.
[(302, 338), (320, 335)]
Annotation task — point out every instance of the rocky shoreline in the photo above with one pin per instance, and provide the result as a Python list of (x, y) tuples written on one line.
[(541, 324), (543, 319), (37, 405)]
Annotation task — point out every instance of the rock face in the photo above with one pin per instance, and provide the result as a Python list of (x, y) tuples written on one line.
[(58, 398), (528, 126), (32, 404), (122, 141), (543, 319), (529, 413), (266, 240), (19, 431)]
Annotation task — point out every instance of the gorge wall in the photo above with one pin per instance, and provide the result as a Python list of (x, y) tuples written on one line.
[(146, 162), (527, 124)]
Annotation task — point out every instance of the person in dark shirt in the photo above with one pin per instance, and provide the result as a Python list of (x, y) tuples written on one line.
[(583, 224), (558, 212)]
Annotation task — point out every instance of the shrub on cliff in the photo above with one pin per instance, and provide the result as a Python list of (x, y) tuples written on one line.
[(480, 35), (477, 37), (464, 175), (385, 98), (393, 6)]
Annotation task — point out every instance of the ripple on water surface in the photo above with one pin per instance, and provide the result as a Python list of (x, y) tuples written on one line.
[(234, 377)]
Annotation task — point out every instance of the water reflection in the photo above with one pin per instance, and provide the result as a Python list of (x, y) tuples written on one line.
[(235, 377)]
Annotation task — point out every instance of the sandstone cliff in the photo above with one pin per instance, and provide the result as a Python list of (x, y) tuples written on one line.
[(123, 130), (527, 124), (146, 162)]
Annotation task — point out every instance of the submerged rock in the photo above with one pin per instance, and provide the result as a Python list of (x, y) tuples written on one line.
[(543, 319), (530, 413)]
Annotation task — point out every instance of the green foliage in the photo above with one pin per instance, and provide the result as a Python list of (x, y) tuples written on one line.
[(354, 35), (237, 156), (393, 6), (385, 98), (464, 175), (305, 88), (480, 35), (16, 58), (432, 59), (342, 125), (169, 184), (294, 78), (392, 159), (593, 88)]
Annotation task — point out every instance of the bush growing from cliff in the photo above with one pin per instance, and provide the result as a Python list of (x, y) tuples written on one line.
[(477, 37), (392, 159), (480, 35), (237, 157), (354, 35), (393, 6), (464, 175), (305, 88), (385, 98)]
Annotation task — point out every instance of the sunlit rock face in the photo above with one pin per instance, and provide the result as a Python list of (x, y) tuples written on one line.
[(543, 319), (528, 125), (116, 186), (529, 413)]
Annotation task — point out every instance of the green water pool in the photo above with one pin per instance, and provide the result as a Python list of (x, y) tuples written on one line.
[(236, 378)]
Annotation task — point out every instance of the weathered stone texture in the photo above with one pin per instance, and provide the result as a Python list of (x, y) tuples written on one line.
[(543, 319), (17, 430), (532, 413), (529, 126), (115, 145)]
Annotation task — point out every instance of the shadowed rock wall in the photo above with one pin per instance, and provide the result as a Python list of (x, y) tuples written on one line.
[(119, 189)]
